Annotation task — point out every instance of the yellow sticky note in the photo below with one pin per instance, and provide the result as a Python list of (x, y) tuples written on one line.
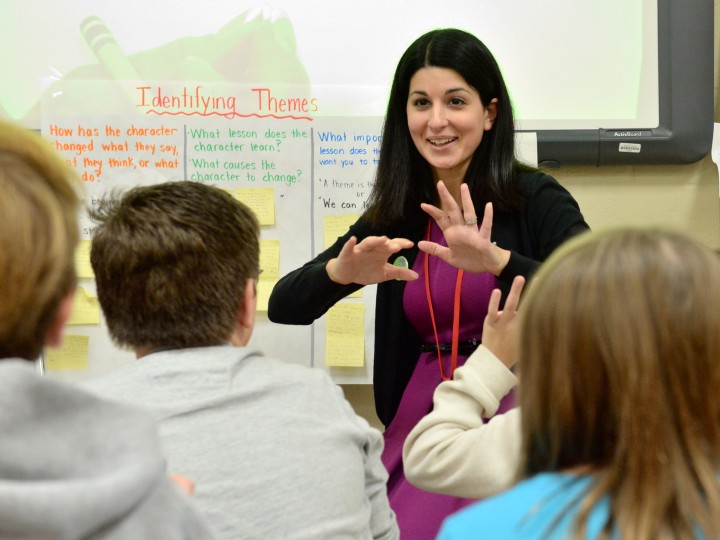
[(73, 354), (270, 259), (82, 260), (345, 335), (336, 226), (264, 288), (86, 308), (356, 294), (261, 201)]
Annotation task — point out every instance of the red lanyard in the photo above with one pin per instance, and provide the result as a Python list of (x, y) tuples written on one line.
[(456, 315)]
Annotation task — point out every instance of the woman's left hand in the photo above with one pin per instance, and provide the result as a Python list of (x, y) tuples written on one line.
[(468, 247)]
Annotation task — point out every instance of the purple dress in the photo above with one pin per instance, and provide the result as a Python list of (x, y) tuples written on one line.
[(420, 513)]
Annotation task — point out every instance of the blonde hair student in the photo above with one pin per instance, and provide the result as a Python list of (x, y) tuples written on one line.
[(619, 360), (72, 465), (38, 234)]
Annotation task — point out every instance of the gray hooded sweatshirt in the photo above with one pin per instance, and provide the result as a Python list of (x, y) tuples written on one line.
[(73, 466)]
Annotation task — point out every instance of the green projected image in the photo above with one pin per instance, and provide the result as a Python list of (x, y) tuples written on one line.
[(591, 66)]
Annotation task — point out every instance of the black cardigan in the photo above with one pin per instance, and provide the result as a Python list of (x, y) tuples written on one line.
[(549, 217)]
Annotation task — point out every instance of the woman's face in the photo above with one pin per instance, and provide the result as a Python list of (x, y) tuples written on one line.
[(446, 119)]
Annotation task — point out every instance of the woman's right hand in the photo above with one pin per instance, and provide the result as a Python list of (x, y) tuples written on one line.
[(367, 263)]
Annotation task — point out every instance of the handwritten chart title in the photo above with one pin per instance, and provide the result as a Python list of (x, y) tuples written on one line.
[(196, 101)]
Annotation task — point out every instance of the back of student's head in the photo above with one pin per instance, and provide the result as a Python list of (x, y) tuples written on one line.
[(39, 201), (620, 370), (171, 263)]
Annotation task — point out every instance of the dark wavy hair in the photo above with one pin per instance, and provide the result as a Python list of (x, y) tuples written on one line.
[(403, 174)]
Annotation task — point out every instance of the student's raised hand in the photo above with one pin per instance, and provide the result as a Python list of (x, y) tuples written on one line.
[(499, 327), (367, 263), (468, 247)]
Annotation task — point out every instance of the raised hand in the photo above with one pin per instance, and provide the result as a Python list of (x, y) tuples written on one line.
[(468, 247), (500, 326), (367, 263)]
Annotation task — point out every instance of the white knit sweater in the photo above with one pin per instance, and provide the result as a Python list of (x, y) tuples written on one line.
[(452, 450)]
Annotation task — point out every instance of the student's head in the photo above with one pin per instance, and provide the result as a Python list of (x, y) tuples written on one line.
[(175, 266), (39, 201), (620, 368), (472, 64)]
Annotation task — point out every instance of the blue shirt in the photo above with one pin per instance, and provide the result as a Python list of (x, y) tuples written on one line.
[(542, 507)]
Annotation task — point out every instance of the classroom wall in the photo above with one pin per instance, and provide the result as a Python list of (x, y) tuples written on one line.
[(686, 197)]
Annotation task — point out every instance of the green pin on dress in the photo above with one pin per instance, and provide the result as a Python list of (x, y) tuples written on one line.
[(401, 262)]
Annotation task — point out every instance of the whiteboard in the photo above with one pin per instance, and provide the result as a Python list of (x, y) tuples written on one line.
[(618, 82), (559, 76), (315, 170), (93, 74)]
